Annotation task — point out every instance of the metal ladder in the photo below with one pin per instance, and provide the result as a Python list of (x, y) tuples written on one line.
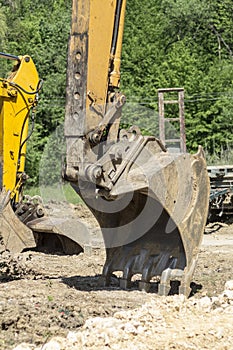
[(163, 120)]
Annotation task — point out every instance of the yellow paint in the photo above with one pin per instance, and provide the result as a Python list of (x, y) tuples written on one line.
[(15, 105), (96, 19), (100, 75)]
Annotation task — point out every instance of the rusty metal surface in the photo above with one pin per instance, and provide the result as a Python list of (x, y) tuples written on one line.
[(71, 233), (47, 233), (154, 216)]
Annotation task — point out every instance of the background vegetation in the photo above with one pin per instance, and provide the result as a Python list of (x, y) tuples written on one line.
[(167, 43)]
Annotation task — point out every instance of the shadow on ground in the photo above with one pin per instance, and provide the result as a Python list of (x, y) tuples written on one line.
[(94, 283)]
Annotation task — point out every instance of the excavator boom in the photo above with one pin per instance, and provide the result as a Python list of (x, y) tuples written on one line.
[(93, 75), (18, 96)]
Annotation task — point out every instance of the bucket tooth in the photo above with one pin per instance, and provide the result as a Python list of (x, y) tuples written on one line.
[(125, 281), (106, 275), (164, 289), (129, 266), (153, 218), (162, 263), (167, 276), (164, 285), (147, 273), (141, 258), (185, 281)]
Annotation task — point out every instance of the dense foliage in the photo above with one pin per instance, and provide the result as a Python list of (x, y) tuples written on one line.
[(167, 43)]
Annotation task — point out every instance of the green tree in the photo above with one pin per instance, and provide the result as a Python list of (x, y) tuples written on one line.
[(3, 26), (183, 44), (3, 30), (168, 43)]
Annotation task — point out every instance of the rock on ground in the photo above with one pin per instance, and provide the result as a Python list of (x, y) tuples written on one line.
[(172, 322)]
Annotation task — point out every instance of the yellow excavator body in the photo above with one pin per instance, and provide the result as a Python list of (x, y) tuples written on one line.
[(151, 204), (18, 96)]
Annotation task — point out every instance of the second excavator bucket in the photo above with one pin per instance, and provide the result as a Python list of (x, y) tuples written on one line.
[(47, 233)]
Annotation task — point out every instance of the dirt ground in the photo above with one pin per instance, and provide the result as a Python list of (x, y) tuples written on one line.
[(55, 302)]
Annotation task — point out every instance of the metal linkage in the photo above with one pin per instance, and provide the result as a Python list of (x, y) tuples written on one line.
[(9, 56)]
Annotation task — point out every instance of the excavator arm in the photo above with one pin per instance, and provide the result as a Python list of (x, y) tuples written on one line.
[(23, 220), (151, 204), (93, 75), (18, 97)]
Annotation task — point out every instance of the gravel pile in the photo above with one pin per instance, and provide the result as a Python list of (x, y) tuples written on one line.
[(172, 322)]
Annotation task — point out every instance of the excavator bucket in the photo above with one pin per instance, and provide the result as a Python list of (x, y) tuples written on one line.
[(154, 223), (46, 233), (61, 234), (167, 221)]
